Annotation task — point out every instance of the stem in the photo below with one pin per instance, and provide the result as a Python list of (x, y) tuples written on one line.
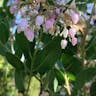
[(34, 56), (67, 85), (83, 42)]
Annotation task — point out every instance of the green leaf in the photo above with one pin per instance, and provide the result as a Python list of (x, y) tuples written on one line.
[(91, 47), (71, 76), (50, 2), (3, 49), (60, 76), (45, 38), (48, 80), (93, 89), (71, 64), (19, 80), (24, 45), (85, 76), (55, 84), (4, 31), (46, 58), (18, 53), (5, 12), (14, 61)]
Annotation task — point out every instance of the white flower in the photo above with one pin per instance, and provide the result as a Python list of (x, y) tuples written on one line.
[(63, 43), (65, 32)]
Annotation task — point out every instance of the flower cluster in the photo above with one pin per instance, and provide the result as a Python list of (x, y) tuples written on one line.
[(53, 18)]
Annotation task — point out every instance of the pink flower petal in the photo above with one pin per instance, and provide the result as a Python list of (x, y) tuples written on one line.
[(75, 17), (23, 25), (72, 32), (29, 34), (49, 23), (74, 41), (13, 9), (57, 10), (39, 20)]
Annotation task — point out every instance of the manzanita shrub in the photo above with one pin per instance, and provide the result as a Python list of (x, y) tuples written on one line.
[(50, 42)]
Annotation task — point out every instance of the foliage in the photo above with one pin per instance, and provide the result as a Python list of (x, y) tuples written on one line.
[(51, 53)]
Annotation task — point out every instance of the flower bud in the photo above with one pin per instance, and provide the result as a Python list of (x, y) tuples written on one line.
[(65, 32), (75, 17), (13, 9), (57, 10), (74, 41), (49, 23), (63, 43), (39, 20), (29, 34), (72, 32), (22, 26)]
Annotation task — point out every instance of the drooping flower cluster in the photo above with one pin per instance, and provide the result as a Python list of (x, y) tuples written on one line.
[(54, 19)]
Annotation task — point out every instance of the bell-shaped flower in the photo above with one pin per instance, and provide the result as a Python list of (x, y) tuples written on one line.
[(72, 32), (64, 43), (74, 41), (39, 20), (23, 25), (29, 34)]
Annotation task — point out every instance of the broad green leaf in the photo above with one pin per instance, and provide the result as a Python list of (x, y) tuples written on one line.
[(46, 58), (71, 76), (71, 64), (93, 89), (85, 76), (14, 61), (48, 80), (3, 49), (4, 31), (18, 51), (91, 47), (19, 80), (45, 38), (24, 45), (5, 12), (60, 76)]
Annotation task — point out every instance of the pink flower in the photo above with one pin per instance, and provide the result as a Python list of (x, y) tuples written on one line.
[(75, 17), (49, 23), (23, 12), (74, 41), (16, 2), (57, 10), (23, 25), (29, 34), (13, 9), (72, 32), (63, 44), (39, 20), (52, 15)]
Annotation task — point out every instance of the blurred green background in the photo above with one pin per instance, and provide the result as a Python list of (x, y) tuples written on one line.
[(7, 85)]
